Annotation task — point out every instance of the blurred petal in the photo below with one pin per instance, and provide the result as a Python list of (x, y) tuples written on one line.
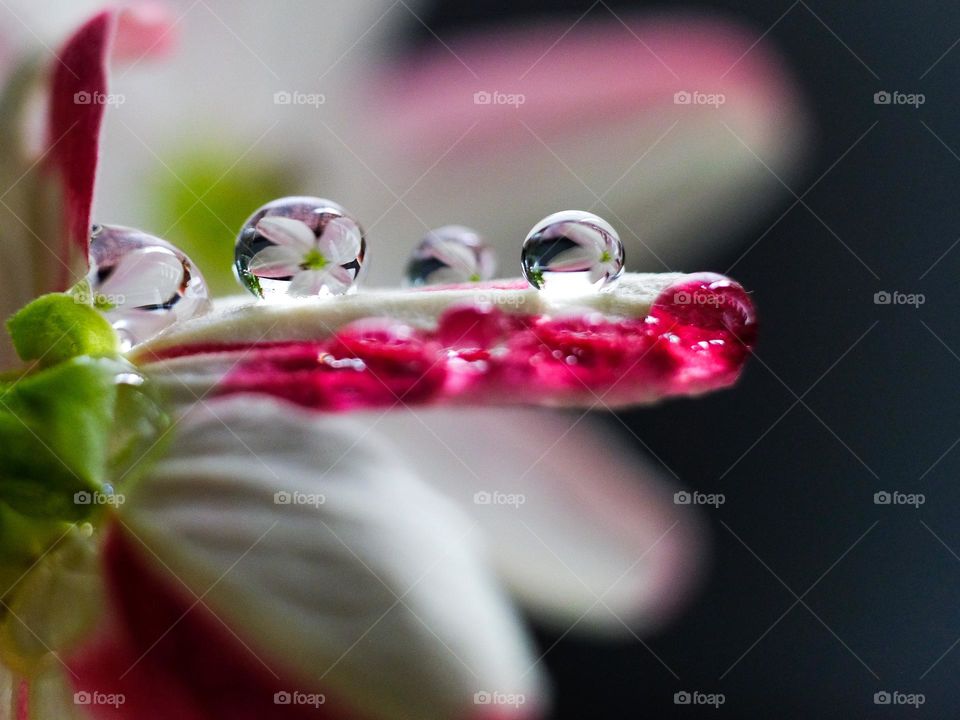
[(75, 117), (47, 190), (362, 584), (595, 542), (145, 29), (509, 125)]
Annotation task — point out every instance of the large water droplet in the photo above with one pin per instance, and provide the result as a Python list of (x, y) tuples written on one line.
[(451, 255), (572, 251), (141, 283), (300, 246)]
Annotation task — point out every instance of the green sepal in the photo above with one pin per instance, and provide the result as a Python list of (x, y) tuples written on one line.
[(60, 326), (55, 426)]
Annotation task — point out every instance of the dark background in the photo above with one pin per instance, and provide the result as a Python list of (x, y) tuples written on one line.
[(889, 605)]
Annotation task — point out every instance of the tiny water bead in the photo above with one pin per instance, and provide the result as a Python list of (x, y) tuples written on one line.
[(301, 247), (451, 255), (141, 283), (572, 251)]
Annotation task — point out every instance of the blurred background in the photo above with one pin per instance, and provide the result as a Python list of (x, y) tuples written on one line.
[(811, 150)]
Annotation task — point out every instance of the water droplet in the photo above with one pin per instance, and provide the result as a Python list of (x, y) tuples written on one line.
[(451, 255), (572, 251), (302, 247), (141, 283)]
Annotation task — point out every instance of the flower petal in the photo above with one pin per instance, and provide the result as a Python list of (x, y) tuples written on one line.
[(339, 570), (458, 256), (594, 539), (340, 241), (276, 261), (74, 120), (288, 232), (149, 276), (307, 283)]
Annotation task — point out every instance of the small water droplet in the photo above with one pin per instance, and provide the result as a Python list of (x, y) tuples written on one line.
[(141, 283), (451, 255), (301, 247), (572, 251)]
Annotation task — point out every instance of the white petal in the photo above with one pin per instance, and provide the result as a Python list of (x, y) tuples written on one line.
[(458, 256), (149, 276), (276, 261), (340, 241), (367, 586), (339, 279), (288, 232), (307, 282), (597, 541), (576, 258)]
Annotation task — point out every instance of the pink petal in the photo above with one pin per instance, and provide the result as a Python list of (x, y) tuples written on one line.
[(650, 337), (74, 129), (145, 29)]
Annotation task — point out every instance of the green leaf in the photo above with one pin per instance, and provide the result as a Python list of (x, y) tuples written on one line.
[(60, 326), (55, 426)]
